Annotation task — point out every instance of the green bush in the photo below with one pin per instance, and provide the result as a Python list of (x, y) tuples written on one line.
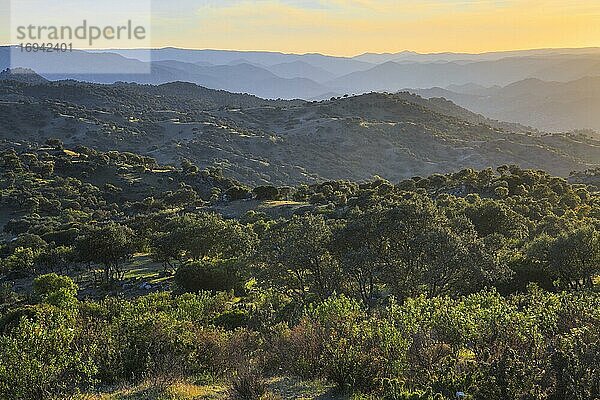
[(46, 285), (57, 290), (576, 364), (205, 275), (43, 357), (266, 193), (359, 356), (232, 319), (238, 193)]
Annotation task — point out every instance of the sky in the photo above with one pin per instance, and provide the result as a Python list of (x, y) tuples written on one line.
[(351, 27)]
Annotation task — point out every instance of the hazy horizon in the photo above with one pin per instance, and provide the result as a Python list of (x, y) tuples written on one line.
[(508, 50), (407, 51)]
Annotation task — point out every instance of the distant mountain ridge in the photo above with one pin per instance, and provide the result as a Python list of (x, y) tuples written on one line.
[(314, 76), (549, 106), (392, 76), (486, 56)]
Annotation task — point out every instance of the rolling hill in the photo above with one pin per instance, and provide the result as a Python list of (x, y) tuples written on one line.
[(282, 142)]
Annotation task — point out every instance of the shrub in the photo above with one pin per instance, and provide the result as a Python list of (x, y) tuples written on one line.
[(150, 344), (576, 364), (232, 319), (301, 349), (7, 295), (206, 275), (338, 341), (57, 290), (238, 193), (359, 356), (42, 357), (45, 285), (248, 384), (266, 193)]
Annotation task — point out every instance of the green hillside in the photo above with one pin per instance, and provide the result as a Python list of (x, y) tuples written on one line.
[(283, 142)]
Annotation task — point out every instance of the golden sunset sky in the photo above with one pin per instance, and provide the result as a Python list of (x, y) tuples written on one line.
[(351, 27)]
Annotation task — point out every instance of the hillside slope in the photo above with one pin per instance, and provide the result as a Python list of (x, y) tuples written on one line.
[(260, 141)]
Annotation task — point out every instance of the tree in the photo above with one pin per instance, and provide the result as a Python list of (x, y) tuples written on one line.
[(359, 247), (402, 230), (183, 196), (56, 143), (531, 265), (111, 246), (412, 248), (266, 193), (574, 257), (188, 168), (200, 236), (29, 241), (457, 262), (56, 259), (10, 161), (238, 192), (165, 249), (294, 256), (489, 217)]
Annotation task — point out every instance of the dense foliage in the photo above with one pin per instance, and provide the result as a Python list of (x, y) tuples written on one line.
[(482, 282), (536, 345)]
